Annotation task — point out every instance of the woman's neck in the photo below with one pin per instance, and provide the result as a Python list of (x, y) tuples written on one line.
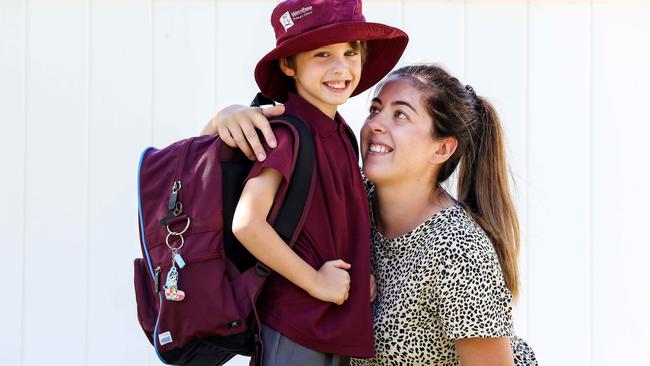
[(400, 208)]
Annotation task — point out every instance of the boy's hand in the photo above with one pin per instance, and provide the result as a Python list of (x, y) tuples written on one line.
[(373, 288), (236, 124), (332, 282)]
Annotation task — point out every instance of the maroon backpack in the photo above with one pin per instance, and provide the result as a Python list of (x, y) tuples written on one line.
[(196, 285)]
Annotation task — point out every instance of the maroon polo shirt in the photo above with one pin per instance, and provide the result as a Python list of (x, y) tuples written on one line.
[(337, 226)]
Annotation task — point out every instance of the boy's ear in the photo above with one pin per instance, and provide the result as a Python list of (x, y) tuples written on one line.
[(444, 150), (284, 66)]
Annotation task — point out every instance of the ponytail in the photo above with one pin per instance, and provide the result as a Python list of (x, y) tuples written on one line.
[(483, 189)]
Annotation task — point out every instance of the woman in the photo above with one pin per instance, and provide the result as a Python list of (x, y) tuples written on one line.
[(446, 269)]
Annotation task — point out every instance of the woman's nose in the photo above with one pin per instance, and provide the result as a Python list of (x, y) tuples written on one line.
[(376, 123)]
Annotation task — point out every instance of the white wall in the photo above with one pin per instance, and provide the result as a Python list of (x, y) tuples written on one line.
[(85, 85)]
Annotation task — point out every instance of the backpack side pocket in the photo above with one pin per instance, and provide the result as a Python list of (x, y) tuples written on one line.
[(145, 298)]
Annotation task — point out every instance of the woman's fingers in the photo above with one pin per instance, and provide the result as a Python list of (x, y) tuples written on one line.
[(253, 139), (239, 126), (240, 141), (225, 136), (262, 123), (265, 127)]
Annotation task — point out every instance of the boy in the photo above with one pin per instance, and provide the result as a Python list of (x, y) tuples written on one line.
[(325, 53)]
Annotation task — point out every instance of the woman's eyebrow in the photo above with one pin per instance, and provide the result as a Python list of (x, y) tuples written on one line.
[(401, 102), (376, 100)]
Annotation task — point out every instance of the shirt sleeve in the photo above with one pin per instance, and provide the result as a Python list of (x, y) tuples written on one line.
[(280, 158), (471, 297)]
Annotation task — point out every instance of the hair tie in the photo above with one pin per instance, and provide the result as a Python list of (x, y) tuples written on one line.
[(478, 105), (470, 90)]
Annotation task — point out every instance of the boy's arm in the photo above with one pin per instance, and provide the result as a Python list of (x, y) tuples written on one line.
[(237, 124), (330, 283)]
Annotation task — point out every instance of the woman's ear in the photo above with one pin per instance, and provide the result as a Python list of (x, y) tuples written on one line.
[(445, 149), (284, 66)]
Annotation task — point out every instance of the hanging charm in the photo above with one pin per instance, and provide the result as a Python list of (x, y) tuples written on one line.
[(176, 257), (172, 293)]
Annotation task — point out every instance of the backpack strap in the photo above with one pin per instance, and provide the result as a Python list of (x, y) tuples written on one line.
[(289, 220), (291, 215)]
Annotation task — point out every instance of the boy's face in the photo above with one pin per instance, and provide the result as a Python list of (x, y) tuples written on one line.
[(326, 76)]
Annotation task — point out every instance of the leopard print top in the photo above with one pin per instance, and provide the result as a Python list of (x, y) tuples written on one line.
[(438, 283)]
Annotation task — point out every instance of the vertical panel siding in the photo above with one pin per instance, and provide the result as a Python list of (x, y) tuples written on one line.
[(12, 153), (120, 127), (621, 129), (183, 68), (244, 35), (56, 183), (86, 84), (495, 65), (559, 181), (436, 31)]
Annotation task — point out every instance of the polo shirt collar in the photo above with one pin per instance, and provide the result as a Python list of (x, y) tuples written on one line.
[(319, 121)]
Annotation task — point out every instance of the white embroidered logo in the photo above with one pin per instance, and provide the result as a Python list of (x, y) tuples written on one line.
[(286, 21), (302, 12), (165, 338)]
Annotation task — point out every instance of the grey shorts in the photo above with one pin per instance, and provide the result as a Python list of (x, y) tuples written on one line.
[(282, 351)]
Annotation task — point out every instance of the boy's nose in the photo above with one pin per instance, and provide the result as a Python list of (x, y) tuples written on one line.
[(339, 65)]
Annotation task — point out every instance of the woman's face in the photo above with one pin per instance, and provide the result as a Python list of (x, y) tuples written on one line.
[(396, 141)]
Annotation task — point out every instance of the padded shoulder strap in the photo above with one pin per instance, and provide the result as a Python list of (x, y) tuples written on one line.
[(289, 219)]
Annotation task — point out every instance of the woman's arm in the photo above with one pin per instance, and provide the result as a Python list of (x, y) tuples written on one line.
[(485, 352), (330, 283), (237, 124)]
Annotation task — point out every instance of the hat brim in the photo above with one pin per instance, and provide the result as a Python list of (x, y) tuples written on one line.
[(385, 46)]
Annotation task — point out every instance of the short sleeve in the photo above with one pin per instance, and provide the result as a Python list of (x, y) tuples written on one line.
[(471, 297), (279, 158)]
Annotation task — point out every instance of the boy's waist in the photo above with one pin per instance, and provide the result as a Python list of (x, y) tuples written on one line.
[(325, 327)]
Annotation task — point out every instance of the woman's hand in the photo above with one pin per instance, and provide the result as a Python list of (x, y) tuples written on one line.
[(237, 124)]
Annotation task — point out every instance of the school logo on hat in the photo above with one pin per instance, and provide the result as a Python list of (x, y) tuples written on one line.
[(286, 21)]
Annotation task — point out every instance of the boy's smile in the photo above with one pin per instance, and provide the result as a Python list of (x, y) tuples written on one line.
[(326, 76)]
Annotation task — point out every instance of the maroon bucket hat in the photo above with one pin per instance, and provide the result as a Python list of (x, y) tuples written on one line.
[(302, 25)]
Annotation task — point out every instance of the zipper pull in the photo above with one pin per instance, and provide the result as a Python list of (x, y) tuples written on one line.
[(156, 280), (173, 198)]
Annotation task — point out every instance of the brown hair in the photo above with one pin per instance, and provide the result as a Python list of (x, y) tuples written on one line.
[(358, 46), (483, 175)]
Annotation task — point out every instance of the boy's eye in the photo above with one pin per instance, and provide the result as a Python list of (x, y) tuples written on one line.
[(351, 53), (322, 54)]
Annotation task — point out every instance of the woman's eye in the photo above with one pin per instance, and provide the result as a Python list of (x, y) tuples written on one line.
[(401, 115), (373, 110)]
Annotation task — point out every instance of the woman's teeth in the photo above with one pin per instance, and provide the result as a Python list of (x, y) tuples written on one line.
[(379, 148)]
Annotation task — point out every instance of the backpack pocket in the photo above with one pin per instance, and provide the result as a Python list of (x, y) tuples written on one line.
[(208, 308), (145, 297)]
